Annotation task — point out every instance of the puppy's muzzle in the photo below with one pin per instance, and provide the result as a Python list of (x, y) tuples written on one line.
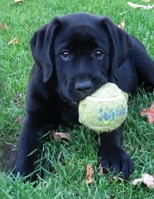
[(84, 88)]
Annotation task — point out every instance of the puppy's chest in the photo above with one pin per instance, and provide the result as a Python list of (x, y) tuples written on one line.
[(65, 112)]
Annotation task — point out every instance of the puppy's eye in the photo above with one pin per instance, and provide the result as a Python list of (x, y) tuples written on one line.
[(65, 54), (98, 54)]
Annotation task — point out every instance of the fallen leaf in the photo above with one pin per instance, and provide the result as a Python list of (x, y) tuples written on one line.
[(14, 41), (100, 169), (18, 99), (89, 173), (149, 112), (59, 135), (20, 120), (123, 13), (3, 26), (18, 1), (122, 24), (147, 1), (136, 181), (147, 179), (133, 5), (116, 178)]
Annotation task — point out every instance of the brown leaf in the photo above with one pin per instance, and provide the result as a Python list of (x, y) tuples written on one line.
[(133, 5), (100, 169), (147, 179), (122, 24), (89, 173), (59, 135), (20, 120), (123, 13), (18, 1), (14, 41), (18, 99), (136, 181), (116, 178), (147, 1), (3, 26), (149, 112)]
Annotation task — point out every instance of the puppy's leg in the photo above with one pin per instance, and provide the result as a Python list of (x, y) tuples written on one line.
[(29, 146), (143, 63), (112, 156)]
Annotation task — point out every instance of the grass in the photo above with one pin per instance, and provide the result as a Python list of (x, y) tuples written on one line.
[(68, 160)]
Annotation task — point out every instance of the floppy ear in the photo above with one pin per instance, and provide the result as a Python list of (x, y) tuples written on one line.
[(120, 46), (42, 47)]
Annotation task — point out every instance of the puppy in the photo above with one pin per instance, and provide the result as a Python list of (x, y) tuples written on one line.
[(74, 56)]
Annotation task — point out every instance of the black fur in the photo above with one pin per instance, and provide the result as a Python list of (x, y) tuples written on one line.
[(75, 55)]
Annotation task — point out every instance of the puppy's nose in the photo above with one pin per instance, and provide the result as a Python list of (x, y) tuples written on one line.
[(83, 87)]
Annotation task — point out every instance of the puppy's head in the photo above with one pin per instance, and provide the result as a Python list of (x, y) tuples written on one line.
[(83, 50)]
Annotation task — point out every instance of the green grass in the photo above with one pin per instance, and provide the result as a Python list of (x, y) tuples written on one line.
[(68, 160)]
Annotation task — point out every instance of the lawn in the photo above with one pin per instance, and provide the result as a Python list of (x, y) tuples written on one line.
[(64, 163)]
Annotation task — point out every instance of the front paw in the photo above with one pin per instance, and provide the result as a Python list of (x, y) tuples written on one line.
[(116, 160)]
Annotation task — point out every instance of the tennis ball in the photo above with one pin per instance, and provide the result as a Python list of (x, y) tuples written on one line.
[(105, 110)]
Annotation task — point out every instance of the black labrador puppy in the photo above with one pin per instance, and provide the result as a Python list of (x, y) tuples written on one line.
[(74, 56)]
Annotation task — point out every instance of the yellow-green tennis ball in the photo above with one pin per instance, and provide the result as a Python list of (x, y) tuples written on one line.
[(105, 110)]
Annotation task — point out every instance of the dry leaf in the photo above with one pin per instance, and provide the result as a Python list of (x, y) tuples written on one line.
[(147, 1), (18, 99), (100, 169), (122, 24), (146, 179), (18, 1), (3, 26), (14, 41), (89, 173), (20, 120), (116, 178), (133, 5), (59, 135), (123, 13), (149, 112), (136, 181)]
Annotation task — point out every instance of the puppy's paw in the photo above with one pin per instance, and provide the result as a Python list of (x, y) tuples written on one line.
[(116, 160)]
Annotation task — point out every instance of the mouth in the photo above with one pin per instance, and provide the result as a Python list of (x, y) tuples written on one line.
[(75, 103), (69, 101)]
